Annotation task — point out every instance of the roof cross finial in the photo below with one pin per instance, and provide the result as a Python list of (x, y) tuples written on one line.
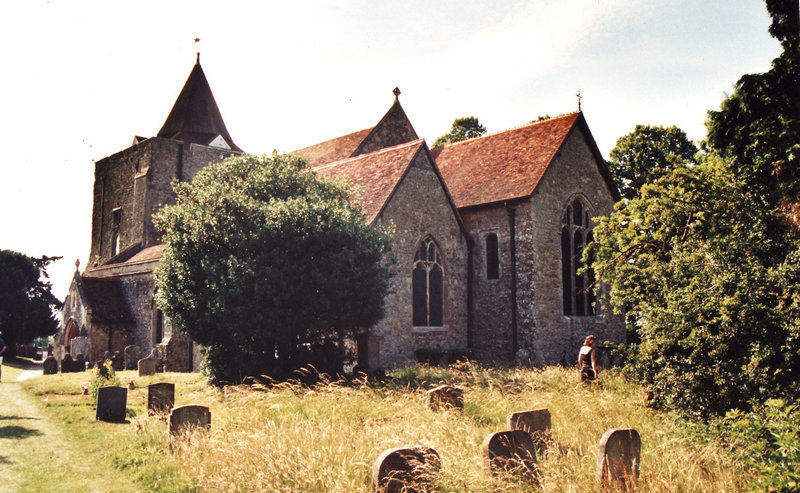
[(196, 41), (396, 92), (578, 94)]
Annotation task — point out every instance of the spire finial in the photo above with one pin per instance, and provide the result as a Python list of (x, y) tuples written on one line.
[(578, 94), (77, 264), (198, 58), (396, 92)]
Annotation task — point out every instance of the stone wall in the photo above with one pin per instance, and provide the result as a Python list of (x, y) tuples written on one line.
[(411, 224)]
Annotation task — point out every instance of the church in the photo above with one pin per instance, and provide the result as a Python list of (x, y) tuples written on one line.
[(488, 234)]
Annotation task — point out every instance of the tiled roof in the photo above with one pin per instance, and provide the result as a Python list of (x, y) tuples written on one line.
[(332, 150), (374, 176), (502, 166), (147, 254), (104, 296)]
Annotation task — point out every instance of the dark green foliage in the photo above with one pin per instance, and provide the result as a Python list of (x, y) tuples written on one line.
[(26, 303), (463, 128), (646, 154), (269, 267)]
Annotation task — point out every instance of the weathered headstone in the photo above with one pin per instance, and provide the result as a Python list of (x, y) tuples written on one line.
[(67, 364), (405, 469), (117, 361), (536, 422), (147, 367), (619, 456), (111, 403), (106, 357), (510, 451), (189, 417), (50, 365), (80, 363), (160, 398), (132, 356), (446, 397)]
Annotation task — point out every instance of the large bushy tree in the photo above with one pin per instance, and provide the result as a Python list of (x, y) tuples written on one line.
[(646, 154), (27, 306), (269, 267), (707, 259), (463, 128)]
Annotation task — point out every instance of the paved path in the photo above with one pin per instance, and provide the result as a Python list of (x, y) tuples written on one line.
[(34, 453)]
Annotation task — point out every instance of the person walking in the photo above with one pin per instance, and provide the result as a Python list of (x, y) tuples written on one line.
[(3, 348), (586, 359)]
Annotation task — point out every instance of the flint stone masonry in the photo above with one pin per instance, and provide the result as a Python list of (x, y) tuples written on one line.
[(111, 403), (446, 397), (147, 367), (536, 423), (183, 418), (511, 452), (405, 469), (132, 356), (160, 398), (50, 365), (619, 456)]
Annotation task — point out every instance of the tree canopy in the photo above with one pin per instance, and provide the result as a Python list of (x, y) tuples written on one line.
[(646, 154), (26, 303), (269, 267), (463, 128)]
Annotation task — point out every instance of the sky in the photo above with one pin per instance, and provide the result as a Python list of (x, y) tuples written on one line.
[(81, 78)]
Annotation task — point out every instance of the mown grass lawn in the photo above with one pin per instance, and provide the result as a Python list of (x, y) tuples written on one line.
[(325, 437)]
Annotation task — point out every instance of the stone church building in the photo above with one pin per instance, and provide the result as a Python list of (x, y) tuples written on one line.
[(488, 234)]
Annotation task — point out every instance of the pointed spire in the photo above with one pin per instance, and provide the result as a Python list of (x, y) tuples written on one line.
[(195, 117)]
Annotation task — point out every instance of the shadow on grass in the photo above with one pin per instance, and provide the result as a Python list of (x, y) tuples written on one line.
[(18, 432), (2, 418)]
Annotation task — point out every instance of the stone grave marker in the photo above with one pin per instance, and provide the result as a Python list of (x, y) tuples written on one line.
[(132, 356), (111, 403), (106, 356), (510, 451), (619, 456), (67, 364), (50, 365), (160, 398), (147, 367), (536, 422), (80, 362), (117, 361), (190, 416), (446, 397), (405, 469)]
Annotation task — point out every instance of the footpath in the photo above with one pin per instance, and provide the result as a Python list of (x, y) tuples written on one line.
[(34, 454)]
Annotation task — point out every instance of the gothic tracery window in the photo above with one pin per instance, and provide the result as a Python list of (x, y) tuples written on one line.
[(578, 297), (427, 281)]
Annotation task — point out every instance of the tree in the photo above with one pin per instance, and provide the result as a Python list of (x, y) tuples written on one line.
[(269, 267), (464, 128), (26, 304), (646, 154)]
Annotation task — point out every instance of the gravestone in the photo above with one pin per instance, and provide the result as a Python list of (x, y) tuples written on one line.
[(187, 417), (160, 398), (79, 345), (111, 403), (67, 364), (50, 365), (446, 397), (405, 469), (106, 357), (619, 456), (117, 361), (536, 422), (510, 451), (80, 363), (132, 356), (147, 367)]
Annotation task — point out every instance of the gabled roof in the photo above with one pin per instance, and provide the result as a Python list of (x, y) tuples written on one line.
[(375, 176), (509, 165), (334, 149), (195, 117), (104, 296)]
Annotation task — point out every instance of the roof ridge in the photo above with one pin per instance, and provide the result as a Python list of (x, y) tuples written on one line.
[(529, 124), (361, 156)]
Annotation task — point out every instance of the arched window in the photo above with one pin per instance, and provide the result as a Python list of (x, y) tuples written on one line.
[(427, 281), (578, 298), (492, 257)]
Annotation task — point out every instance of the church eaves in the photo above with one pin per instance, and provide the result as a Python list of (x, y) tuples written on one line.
[(195, 117)]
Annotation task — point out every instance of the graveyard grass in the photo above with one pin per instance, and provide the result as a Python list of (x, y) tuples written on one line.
[(325, 437)]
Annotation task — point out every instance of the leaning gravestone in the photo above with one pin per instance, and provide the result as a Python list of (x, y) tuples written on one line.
[(619, 456), (160, 398), (510, 451), (147, 367), (50, 365), (536, 422), (111, 403), (132, 356), (405, 469), (182, 418), (446, 397)]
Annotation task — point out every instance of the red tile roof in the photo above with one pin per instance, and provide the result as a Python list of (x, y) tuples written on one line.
[(502, 166), (334, 149), (374, 176)]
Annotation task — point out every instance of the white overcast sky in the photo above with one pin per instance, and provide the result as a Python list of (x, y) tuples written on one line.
[(81, 78)]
